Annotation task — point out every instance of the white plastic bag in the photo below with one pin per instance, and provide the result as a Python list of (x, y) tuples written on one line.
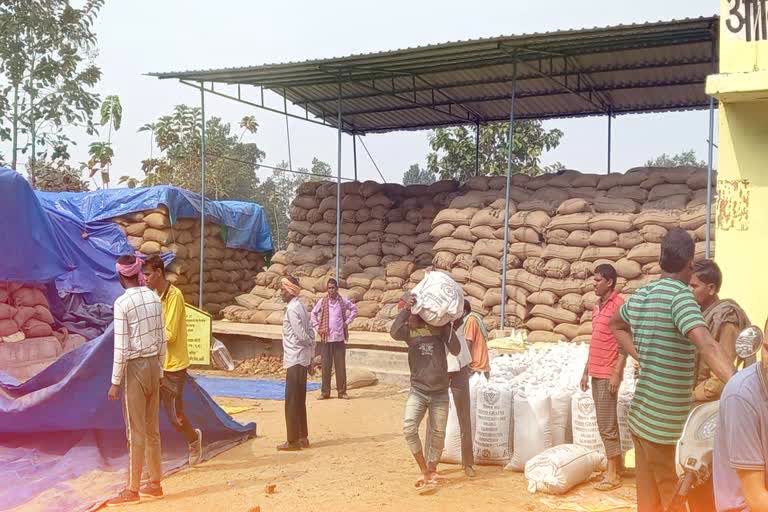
[(585, 431), (561, 424), (439, 299), (493, 425), (624, 433), (452, 450), (532, 433), (222, 359), (559, 469)]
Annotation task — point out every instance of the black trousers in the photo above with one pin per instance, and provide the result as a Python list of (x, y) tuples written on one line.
[(459, 386), (334, 354), (296, 403), (172, 399)]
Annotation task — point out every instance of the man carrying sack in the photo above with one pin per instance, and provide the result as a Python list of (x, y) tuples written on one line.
[(176, 358), (331, 317), (298, 349), (138, 361)]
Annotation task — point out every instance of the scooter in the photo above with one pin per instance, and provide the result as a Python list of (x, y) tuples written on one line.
[(696, 444)]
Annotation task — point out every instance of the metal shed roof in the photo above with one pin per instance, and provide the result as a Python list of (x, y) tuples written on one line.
[(650, 67)]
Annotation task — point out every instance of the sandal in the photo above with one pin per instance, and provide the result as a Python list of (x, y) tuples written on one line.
[(607, 485)]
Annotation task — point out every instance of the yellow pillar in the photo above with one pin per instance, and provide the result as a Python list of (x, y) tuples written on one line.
[(741, 210)]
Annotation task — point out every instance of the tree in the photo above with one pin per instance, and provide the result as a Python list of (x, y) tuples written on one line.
[(415, 175), (231, 162), (57, 176), (453, 150), (685, 158), (46, 68), (102, 153)]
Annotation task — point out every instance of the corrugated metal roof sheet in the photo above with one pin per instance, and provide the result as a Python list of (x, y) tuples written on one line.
[(648, 67)]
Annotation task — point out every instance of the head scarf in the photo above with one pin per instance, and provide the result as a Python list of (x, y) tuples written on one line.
[(133, 270), (289, 287)]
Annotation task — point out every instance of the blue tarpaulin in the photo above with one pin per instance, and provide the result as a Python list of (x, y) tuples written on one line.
[(62, 443), (255, 389)]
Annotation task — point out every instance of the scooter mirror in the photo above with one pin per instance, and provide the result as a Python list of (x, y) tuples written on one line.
[(749, 341)]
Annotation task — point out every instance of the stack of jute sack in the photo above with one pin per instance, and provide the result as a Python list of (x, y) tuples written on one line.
[(385, 247), (560, 228), (227, 272)]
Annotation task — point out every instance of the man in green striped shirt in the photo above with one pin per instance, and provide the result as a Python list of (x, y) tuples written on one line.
[(661, 327)]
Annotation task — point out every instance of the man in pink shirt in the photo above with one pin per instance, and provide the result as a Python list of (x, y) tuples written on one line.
[(603, 356), (331, 317)]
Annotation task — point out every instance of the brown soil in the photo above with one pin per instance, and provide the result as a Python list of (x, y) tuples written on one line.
[(358, 462)]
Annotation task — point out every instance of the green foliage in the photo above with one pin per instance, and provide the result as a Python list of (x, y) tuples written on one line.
[(453, 150), (129, 181), (57, 176), (415, 175), (112, 112), (46, 73), (685, 158)]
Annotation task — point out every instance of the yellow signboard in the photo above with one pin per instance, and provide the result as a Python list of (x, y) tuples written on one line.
[(199, 334)]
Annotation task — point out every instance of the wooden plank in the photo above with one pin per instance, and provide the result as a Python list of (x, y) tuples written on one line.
[(274, 332)]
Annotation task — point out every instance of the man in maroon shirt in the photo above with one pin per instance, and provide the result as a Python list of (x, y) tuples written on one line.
[(603, 356)]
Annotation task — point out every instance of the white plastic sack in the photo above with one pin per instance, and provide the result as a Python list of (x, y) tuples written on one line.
[(561, 424), (439, 299), (452, 449), (561, 468), (585, 431), (532, 433), (624, 433), (493, 424), (222, 359)]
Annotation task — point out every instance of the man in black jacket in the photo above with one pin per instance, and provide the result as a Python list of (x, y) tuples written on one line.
[(429, 384)]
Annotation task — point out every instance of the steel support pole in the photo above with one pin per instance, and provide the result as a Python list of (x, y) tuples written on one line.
[(477, 149), (610, 116), (338, 193), (202, 194), (354, 152), (710, 164), (505, 252)]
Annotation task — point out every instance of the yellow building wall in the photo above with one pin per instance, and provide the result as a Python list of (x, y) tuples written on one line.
[(741, 212)]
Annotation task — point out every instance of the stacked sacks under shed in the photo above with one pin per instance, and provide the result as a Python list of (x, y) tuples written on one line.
[(227, 272), (384, 239)]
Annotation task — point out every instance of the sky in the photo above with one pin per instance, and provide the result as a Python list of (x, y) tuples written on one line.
[(141, 36)]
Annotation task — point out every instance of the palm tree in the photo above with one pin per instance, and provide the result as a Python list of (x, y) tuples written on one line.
[(129, 181), (111, 115), (150, 127)]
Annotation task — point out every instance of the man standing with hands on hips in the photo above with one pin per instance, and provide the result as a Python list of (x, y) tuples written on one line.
[(331, 317)]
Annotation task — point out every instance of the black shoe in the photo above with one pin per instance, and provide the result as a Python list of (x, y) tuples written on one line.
[(289, 447), (343, 396), (126, 497), (304, 442), (151, 490), (323, 397), (470, 471)]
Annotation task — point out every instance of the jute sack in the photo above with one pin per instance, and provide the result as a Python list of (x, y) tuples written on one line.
[(136, 229), (488, 217), (485, 277), (513, 309), (585, 180), (700, 234), (665, 219), (604, 238), (635, 176), (634, 193), (322, 227), (484, 232), (700, 253), (489, 262), (698, 179), (662, 191), (463, 261), (453, 245), (526, 234), (629, 240), (628, 269), (370, 260), (553, 194), (472, 199), (535, 265), (570, 222), (456, 217), (645, 253), (150, 247), (367, 309), (371, 226), (585, 328), (609, 181), (161, 236), (474, 290), (561, 287), (306, 202), (401, 228), (549, 207), (537, 220), (543, 337), (543, 298), (578, 238), (401, 269), (559, 236), (562, 252), (442, 231), (540, 324), (524, 279), (598, 253), (371, 248), (524, 250), (572, 302), (571, 206), (667, 203), (557, 268), (567, 331), (535, 182), (587, 193), (581, 269), (488, 247), (464, 233), (514, 294), (652, 268), (589, 300), (694, 218), (614, 204), (618, 222), (460, 275), (398, 250), (653, 233)]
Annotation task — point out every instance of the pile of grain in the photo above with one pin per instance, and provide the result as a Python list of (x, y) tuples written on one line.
[(227, 272)]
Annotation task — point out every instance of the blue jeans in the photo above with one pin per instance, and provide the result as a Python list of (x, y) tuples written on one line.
[(416, 407)]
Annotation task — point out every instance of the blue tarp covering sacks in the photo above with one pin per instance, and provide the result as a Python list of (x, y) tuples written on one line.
[(62, 443)]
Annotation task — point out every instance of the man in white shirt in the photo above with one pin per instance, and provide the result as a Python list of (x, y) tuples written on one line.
[(298, 350), (139, 353)]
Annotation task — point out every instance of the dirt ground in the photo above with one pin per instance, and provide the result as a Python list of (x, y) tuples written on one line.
[(358, 462)]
